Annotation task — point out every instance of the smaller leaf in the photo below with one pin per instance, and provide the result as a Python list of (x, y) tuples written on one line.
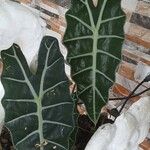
[(38, 106)]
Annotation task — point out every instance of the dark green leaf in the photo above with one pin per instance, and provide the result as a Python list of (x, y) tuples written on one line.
[(75, 116), (38, 107), (94, 38)]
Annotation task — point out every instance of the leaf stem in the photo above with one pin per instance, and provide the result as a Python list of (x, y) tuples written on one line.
[(36, 98), (94, 67)]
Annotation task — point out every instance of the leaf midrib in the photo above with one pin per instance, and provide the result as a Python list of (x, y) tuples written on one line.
[(37, 98), (94, 51)]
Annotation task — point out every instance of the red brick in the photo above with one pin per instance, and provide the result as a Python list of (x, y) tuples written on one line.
[(138, 41), (145, 145), (120, 90), (126, 70)]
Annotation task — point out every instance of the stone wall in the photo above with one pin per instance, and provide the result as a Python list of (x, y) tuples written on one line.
[(135, 63), (51, 12), (136, 49)]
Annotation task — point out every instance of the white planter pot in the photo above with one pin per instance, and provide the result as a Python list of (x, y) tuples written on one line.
[(128, 131)]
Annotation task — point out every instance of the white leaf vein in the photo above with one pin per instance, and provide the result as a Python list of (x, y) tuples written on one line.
[(81, 71), (57, 123), (104, 75), (26, 137), (56, 105), (108, 54), (49, 89), (79, 38), (79, 20), (21, 117), (13, 79)]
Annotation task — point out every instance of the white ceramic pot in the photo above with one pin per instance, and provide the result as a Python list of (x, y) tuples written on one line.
[(128, 131)]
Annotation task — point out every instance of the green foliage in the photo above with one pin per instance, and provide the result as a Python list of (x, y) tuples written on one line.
[(39, 109), (94, 38)]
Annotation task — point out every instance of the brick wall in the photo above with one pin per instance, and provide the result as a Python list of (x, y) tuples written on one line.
[(136, 49), (51, 12), (135, 52)]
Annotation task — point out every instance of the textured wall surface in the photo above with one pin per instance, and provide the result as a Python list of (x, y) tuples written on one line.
[(136, 49)]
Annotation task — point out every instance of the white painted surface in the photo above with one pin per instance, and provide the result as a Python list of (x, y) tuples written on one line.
[(129, 5), (2, 113), (127, 83), (126, 27), (141, 71), (128, 131), (95, 2), (21, 26)]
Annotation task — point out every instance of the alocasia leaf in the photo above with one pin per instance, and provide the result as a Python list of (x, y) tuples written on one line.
[(94, 38), (38, 106)]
